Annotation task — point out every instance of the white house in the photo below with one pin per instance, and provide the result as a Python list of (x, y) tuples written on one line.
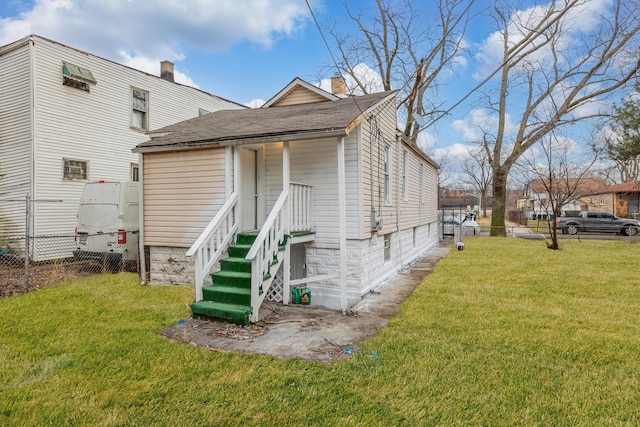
[(68, 117), (315, 189)]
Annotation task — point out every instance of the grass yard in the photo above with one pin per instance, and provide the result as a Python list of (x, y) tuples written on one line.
[(505, 332)]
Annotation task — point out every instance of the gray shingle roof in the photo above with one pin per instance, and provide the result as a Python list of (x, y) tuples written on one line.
[(273, 124)]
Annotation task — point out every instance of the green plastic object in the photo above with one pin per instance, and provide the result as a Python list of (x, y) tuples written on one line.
[(301, 296)]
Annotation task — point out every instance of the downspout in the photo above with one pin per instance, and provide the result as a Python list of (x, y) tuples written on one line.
[(143, 260), (342, 221)]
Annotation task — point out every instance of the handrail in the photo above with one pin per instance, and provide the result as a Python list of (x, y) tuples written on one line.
[(213, 241), (268, 224), (264, 253)]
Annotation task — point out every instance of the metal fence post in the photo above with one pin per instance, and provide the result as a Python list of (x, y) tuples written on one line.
[(26, 242)]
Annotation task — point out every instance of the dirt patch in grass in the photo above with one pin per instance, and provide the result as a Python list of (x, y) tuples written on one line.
[(12, 278)]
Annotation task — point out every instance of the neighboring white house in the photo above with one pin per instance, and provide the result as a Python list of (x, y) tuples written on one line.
[(68, 117), (339, 199), (535, 199)]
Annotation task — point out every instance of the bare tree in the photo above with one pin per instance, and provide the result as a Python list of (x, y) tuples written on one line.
[(561, 173), (477, 171), (408, 49), (553, 68)]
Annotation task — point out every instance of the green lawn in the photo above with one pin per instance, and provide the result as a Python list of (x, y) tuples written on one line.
[(505, 332)]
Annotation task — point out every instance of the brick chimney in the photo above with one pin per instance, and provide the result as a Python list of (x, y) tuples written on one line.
[(338, 85), (166, 70)]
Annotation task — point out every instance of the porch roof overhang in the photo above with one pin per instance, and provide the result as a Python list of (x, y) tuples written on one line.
[(327, 119)]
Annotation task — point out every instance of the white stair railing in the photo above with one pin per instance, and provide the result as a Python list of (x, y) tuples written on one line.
[(301, 207), (213, 241), (264, 250)]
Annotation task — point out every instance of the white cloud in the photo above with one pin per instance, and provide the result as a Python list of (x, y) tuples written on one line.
[(579, 20), (478, 122), (255, 103), (366, 75), (160, 30)]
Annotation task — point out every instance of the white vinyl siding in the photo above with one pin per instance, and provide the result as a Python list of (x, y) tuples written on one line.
[(15, 139), (182, 193), (73, 124), (315, 163)]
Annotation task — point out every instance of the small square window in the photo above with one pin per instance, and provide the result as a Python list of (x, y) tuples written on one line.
[(139, 108), (75, 170)]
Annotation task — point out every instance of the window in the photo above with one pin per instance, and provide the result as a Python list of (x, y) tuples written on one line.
[(139, 108), (601, 200), (135, 172), (405, 175), (202, 112), (387, 247), (387, 174), (77, 77), (75, 170), (421, 182)]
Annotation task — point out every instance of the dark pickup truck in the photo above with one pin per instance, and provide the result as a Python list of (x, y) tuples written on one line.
[(602, 222)]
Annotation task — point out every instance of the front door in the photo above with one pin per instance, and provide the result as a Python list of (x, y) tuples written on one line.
[(248, 189)]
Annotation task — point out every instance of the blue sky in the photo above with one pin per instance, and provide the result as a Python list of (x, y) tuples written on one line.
[(242, 50)]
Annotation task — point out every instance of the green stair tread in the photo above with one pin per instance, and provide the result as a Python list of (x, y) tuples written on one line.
[(246, 237), (234, 274), (227, 292), (229, 312), (235, 264)]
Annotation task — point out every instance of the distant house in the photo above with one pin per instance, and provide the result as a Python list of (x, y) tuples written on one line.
[(536, 195), (68, 117), (620, 199), (316, 190)]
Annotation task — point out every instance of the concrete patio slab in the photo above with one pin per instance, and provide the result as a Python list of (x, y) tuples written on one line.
[(309, 332)]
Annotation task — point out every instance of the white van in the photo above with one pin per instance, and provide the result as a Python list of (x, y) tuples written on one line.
[(108, 226)]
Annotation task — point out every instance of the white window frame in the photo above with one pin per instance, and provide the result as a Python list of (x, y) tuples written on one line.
[(387, 174), (135, 172), (64, 169), (136, 108), (421, 182), (405, 175)]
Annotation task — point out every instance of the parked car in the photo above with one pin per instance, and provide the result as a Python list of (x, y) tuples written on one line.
[(603, 222)]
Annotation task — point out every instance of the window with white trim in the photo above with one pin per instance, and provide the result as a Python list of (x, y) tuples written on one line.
[(405, 175), (421, 182), (139, 109), (387, 174), (75, 170), (135, 172)]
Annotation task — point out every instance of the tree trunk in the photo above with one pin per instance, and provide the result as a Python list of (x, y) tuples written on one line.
[(499, 202)]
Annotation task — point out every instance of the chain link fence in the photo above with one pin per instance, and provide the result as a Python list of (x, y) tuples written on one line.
[(29, 263)]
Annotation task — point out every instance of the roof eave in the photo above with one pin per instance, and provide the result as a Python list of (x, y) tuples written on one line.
[(199, 145)]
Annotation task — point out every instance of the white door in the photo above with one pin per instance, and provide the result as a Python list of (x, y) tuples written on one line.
[(248, 189)]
